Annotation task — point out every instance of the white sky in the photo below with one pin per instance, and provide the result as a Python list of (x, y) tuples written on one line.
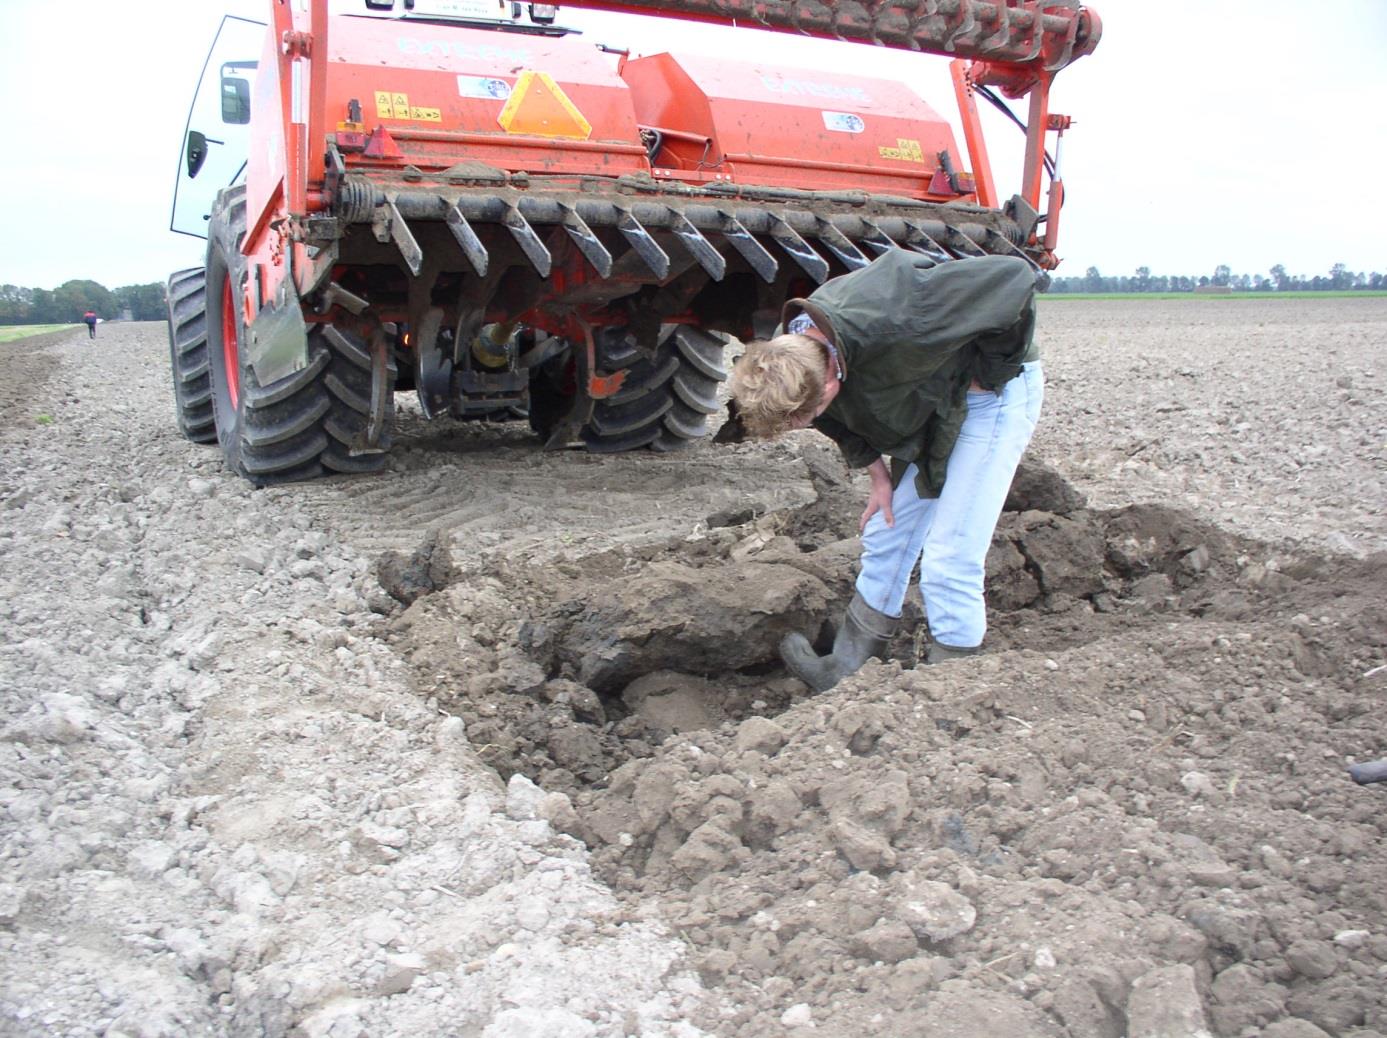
[(1243, 132)]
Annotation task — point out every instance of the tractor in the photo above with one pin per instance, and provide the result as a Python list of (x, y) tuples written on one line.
[(465, 199)]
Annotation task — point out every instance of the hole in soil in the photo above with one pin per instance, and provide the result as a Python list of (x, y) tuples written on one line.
[(564, 673)]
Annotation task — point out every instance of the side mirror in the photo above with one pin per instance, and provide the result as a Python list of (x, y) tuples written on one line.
[(197, 151)]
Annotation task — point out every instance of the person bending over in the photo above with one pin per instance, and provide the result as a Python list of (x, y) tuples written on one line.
[(928, 376)]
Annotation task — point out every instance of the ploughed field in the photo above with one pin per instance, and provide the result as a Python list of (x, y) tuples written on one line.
[(497, 743)]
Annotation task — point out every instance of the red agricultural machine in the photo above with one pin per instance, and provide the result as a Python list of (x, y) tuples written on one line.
[(463, 198)]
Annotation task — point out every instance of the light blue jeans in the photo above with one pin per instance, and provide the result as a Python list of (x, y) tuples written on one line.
[(949, 535)]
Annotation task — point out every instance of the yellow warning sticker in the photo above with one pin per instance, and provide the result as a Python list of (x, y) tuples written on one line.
[(538, 106), (391, 105), (906, 150)]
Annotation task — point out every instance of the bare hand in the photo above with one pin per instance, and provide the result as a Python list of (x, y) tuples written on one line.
[(879, 500)]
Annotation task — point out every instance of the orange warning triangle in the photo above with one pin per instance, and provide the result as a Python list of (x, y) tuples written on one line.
[(539, 106)]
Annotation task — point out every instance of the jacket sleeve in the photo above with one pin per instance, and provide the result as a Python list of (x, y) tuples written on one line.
[(857, 452)]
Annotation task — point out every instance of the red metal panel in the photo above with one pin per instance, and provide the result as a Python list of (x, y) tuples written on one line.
[(441, 91), (757, 123), (265, 163)]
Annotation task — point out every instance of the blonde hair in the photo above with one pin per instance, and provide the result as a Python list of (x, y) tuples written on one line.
[(777, 382)]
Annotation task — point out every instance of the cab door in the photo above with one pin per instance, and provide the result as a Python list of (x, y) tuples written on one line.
[(216, 141)]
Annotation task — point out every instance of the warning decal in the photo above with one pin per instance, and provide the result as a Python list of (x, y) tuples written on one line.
[(906, 150), (538, 106), (396, 106)]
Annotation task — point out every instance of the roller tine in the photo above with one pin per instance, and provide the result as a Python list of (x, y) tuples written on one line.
[(962, 245), (1002, 36), (837, 243), (709, 258), (751, 250), (527, 239), (1000, 245), (472, 246), (918, 239), (876, 239), (587, 242), (647, 248), (800, 250), (404, 239)]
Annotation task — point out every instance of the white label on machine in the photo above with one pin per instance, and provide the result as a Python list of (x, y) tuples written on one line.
[(483, 86), (843, 122), (490, 10)]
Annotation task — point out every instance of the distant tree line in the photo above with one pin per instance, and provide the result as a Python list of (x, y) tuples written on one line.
[(1339, 279), (69, 301)]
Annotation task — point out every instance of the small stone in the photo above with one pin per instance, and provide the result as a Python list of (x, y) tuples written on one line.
[(1351, 938), (382, 835), (1052, 665), (864, 848), (381, 929), (709, 848), (1212, 873), (761, 735), (11, 902), (1312, 959), (1197, 783), (200, 487), (1165, 1003), (935, 911), (798, 1015), (452, 731), (532, 914), (557, 809), (890, 941), (151, 859), (1136, 715), (522, 799), (401, 971), (306, 569), (1196, 561), (1293, 1027), (253, 559)]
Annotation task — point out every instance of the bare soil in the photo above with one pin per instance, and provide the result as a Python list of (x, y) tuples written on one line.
[(497, 743)]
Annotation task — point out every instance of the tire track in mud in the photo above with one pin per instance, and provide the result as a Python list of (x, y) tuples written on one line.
[(514, 501)]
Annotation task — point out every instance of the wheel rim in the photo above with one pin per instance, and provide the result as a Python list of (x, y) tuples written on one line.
[(231, 356)]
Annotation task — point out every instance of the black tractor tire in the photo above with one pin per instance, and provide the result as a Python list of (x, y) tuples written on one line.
[(702, 371), (303, 425), (665, 400), (186, 296)]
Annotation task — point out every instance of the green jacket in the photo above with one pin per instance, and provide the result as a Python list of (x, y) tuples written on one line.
[(911, 337)]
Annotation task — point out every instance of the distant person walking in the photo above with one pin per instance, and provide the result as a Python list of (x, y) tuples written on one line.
[(90, 318)]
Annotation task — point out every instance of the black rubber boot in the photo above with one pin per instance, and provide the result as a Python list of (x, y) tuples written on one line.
[(865, 633), (940, 653)]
